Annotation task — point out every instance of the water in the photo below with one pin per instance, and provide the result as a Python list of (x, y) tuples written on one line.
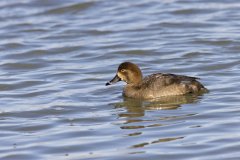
[(56, 57)]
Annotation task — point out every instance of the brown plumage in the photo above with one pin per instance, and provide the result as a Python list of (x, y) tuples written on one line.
[(155, 85)]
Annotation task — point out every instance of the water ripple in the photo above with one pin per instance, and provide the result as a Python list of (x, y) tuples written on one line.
[(56, 57)]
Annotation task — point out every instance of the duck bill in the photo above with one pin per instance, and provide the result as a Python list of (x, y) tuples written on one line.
[(114, 80)]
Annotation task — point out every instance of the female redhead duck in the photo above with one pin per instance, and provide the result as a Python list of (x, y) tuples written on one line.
[(155, 85)]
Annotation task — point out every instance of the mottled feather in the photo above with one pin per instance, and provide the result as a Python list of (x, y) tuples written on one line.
[(155, 85)]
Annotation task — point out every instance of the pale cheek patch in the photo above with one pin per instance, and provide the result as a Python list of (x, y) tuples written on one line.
[(122, 76)]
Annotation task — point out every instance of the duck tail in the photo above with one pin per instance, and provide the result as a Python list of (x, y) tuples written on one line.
[(197, 87), (204, 90)]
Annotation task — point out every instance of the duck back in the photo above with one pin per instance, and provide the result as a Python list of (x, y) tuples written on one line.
[(162, 84)]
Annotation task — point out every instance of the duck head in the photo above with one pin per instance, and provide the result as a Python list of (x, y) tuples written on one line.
[(127, 72)]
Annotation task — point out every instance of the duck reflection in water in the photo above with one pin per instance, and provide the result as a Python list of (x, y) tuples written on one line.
[(135, 121), (137, 107)]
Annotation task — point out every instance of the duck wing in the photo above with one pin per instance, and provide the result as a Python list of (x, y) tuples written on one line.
[(160, 81), (165, 79)]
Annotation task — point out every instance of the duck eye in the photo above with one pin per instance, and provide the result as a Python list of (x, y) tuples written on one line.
[(123, 70)]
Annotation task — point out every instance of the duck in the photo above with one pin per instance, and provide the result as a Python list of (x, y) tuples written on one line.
[(155, 85)]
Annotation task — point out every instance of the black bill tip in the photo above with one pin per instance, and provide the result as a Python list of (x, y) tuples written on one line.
[(114, 80), (107, 84)]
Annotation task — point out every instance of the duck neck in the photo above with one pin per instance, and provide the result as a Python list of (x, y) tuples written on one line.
[(137, 78)]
